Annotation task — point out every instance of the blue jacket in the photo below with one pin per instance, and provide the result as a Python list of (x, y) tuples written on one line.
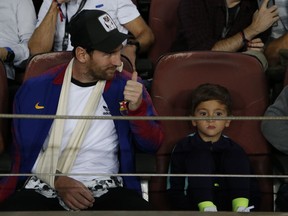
[(29, 134)]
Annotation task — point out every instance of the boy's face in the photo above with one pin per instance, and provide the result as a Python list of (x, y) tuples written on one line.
[(210, 130)]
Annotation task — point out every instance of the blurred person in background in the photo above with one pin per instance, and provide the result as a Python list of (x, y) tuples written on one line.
[(51, 32), (17, 23), (227, 25)]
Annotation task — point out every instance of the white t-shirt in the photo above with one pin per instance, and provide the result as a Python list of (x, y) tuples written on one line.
[(99, 150), (121, 11), (17, 24)]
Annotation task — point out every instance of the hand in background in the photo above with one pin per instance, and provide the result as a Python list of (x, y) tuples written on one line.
[(264, 18), (255, 44)]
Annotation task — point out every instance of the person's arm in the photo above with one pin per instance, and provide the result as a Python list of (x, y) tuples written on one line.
[(273, 47), (262, 20), (148, 133), (26, 21), (43, 37), (231, 44), (276, 131), (129, 18), (142, 34), (74, 194)]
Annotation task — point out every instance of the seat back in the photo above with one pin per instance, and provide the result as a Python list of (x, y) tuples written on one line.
[(176, 75), (40, 63), (163, 21), (4, 101)]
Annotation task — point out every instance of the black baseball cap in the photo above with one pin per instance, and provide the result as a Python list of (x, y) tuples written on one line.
[(95, 29)]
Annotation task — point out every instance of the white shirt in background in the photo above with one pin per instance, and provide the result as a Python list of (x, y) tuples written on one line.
[(17, 24)]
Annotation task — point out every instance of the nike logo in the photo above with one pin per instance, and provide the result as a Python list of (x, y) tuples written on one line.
[(37, 106)]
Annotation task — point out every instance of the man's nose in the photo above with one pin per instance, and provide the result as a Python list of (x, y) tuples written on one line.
[(116, 59)]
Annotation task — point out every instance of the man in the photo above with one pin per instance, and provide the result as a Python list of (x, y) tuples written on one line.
[(275, 131), (276, 50), (279, 35), (54, 16), (88, 85), (17, 23)]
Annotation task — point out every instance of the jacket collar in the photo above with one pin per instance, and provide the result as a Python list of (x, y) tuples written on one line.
[(58, 80)]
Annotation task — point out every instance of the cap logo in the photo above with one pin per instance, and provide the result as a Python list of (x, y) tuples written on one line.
[(107, 22)]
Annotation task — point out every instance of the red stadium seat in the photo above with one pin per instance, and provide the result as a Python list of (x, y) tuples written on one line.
[(40, 63), (177, 74), (163, 21)]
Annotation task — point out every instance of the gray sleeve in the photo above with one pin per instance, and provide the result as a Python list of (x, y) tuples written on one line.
[(276, 131), (26, 20)]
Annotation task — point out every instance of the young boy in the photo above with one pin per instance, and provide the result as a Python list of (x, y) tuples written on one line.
[(208, 151)]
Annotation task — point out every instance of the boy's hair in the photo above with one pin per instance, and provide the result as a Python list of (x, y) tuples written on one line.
[(208, 91)]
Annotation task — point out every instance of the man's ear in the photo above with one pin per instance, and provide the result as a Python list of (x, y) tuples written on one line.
[(81, 54)]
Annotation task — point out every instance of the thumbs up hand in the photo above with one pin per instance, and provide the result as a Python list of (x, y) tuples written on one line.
[(133, 92)]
